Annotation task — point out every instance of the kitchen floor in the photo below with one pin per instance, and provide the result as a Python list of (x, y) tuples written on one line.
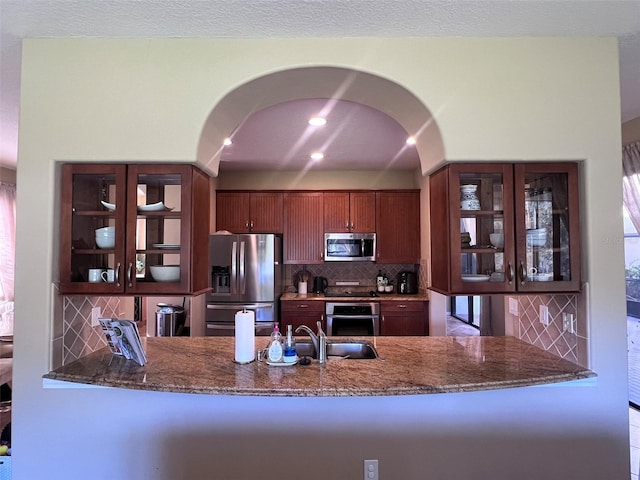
[(458, 328)]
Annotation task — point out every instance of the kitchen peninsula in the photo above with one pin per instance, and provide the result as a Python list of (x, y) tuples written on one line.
[(408, 366)]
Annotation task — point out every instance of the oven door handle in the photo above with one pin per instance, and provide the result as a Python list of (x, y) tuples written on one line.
[(354, 317)]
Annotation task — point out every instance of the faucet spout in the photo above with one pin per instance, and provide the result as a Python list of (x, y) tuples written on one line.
[(314, 338)]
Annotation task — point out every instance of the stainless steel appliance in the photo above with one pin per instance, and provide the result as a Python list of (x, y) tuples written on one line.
[(349, 247), (353, 318), (246, 273), (170, 320), (407, 282), (320, 284)]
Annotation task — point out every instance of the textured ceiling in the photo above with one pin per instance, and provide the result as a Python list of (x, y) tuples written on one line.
[(310, 18)]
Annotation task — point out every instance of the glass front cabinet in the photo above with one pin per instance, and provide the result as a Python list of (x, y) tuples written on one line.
[(133, 229), (503, 227)]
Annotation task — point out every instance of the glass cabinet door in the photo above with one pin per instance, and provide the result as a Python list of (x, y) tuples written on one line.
[(482, 246), (92, 228), (547, 226), (157, 236)]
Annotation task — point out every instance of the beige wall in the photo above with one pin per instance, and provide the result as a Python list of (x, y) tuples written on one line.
[(494, 99), (631, 131)]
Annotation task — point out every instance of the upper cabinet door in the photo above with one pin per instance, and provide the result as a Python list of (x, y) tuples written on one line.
[(362, 209), (266, 209), (547, 227), (336, 212), (480, 236), (398, 227), (303, 228), (232, 212), (92, 228)]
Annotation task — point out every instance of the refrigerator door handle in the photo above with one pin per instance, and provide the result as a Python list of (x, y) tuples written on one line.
[(242, 279), (237, 306), (234, 268)]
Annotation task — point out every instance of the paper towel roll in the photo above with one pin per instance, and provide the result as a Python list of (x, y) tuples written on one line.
[(245, 337)]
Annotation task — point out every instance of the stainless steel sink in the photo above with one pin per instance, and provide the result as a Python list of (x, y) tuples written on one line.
[(349, 349)]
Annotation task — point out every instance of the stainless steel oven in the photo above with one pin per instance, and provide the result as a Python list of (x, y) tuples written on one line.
[(353, 318)]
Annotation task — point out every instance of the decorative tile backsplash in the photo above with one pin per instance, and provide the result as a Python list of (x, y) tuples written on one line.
[(363, 272), (79, 338), (552, 337)]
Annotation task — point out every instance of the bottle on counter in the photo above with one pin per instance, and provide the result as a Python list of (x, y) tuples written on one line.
[(380, 279), (289, 353), (274, 352)]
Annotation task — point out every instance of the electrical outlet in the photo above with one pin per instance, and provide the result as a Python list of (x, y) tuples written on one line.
[(371, 470), (513, 306), (568, 323), (544, 314), (96, 313)]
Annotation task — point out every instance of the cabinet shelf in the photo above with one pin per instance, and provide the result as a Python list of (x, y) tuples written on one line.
[(481, 213)]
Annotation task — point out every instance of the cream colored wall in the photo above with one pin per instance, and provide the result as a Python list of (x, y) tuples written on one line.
[(319, 180), (494, 99), (631, 131)]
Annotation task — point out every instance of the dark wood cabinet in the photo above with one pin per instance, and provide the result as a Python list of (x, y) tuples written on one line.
[(159, 215), (255, 212), (303, 228), (404, 318), (398, 226), (349, 212), (297, 312), (503, 227)]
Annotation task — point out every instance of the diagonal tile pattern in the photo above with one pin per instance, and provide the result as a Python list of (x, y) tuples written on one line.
[(550, 337), (79, 337)]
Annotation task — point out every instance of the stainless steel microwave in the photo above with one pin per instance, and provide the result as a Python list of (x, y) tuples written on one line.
[(349, 247)]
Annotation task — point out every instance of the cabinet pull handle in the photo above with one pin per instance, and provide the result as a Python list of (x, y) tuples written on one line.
[(118, 274), (348, 227), (402, 306), (523, 273), (129, 274), (510, 273), (303, 306)]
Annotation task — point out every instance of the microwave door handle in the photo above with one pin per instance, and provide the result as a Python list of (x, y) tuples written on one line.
[(234, 268)]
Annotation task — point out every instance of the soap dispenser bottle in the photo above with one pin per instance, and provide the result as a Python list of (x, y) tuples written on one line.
[(289, 355), (275, 345)]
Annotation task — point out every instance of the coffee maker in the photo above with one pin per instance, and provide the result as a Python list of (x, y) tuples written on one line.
[(407, 283)]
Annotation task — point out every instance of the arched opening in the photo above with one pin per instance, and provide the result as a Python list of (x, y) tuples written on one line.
[(321, 82)]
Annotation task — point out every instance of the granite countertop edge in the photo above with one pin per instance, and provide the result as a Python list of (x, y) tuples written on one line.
[(409, 366)]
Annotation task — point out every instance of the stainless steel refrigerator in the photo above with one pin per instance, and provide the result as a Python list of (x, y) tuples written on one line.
[(246, 273)]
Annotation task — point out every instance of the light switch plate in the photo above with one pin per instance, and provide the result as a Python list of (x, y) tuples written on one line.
[(544, 314), (96, 313), (513, 306), (568, 323)]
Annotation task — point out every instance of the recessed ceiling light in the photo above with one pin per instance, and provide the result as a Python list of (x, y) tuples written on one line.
[(317, 156), (227, 141), (411, 141), (317, 121)]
